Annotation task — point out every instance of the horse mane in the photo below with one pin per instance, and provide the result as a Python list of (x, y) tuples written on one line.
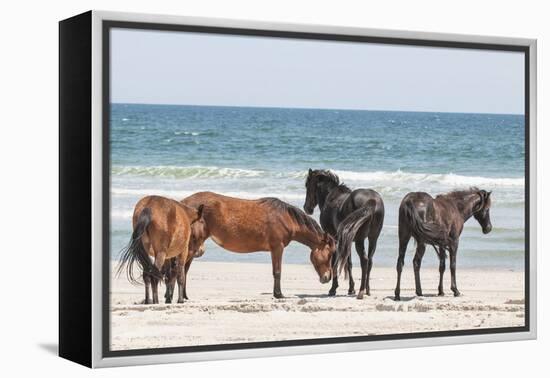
[(332, 178), (457, 194), (298, 215)]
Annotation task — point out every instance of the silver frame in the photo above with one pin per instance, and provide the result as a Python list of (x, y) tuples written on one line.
[(99, 361)]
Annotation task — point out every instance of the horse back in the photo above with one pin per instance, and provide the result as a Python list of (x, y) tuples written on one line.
[(439, 210), (238, 225)]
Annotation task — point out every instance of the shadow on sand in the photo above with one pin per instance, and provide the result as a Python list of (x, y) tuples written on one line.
[(406, 299), (305, 296)]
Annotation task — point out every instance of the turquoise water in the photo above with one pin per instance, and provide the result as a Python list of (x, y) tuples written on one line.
[(255, 152)]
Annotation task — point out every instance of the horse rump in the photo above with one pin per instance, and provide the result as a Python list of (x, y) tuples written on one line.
[(424, 232), (134, 252)]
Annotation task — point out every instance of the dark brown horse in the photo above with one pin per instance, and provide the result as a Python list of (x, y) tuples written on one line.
[(349, 216), (162, 230), (266, 224), (439, 222)]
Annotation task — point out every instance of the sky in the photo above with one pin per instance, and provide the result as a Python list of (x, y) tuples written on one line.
[(159, 67)]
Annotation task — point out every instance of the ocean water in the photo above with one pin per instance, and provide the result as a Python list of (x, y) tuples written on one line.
[(175, 151)]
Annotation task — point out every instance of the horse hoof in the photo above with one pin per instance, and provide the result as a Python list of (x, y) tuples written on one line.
[(397, 298), (168, 301), (180, 301), (419, 294), (360, 295), (278, 296), (147, 301), (332, 293), (457, 293), (441, 294), (351, 292)]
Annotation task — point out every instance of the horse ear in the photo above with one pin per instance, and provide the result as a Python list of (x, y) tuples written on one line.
[(309, 172), (486, 194)]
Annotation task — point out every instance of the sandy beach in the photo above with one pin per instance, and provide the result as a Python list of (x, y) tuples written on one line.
[(232, 303)]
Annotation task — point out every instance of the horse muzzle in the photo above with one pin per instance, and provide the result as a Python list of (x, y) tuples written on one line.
[(200, 251), (325, 278), (487, 229)]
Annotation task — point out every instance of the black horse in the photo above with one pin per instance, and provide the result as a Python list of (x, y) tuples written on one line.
[(439, 222), (349, 216)]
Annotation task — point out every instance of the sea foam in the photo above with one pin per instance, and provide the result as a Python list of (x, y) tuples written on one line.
[(399, 178)]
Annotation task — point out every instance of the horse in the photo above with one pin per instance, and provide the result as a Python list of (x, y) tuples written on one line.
[(161, 230), (265, 224), (439, 222), (349, 216)]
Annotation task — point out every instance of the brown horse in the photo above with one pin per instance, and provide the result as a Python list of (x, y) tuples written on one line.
[(439, 222), (266, 224), (162, 230)]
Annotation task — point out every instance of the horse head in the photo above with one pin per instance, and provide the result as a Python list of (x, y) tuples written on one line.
[(321, 257), (482, 211), (318, 184), (311, 192), (199, 233)]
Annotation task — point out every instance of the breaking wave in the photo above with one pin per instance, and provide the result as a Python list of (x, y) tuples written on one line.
[(377, 177), (186, 172)]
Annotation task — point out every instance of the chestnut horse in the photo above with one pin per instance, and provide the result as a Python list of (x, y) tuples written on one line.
[(438, 222), (265, 224), (162, 230)]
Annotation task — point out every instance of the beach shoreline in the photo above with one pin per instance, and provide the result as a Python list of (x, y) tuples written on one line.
[(232, 302)]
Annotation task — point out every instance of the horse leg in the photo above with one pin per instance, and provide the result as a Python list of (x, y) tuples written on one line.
[(276, 261), (147, 281), (442, 257), (417, 262), (351, 290), (170, 281), (185, 270), (147, 277), (404, 237), (180, 274), (372, 249), (155, 285), (332, 291), (452, 255), (360, 248), (159, 262)]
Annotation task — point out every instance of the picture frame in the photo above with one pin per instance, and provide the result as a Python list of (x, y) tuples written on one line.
[(85, 177)]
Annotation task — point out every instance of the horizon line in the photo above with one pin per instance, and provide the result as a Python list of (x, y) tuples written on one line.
[(313, 108)]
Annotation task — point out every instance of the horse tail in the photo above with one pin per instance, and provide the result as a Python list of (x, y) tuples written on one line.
[(424, 232), (134, 252), (346, 234)]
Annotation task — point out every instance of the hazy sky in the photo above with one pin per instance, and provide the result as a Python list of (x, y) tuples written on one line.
[(157, 67)]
